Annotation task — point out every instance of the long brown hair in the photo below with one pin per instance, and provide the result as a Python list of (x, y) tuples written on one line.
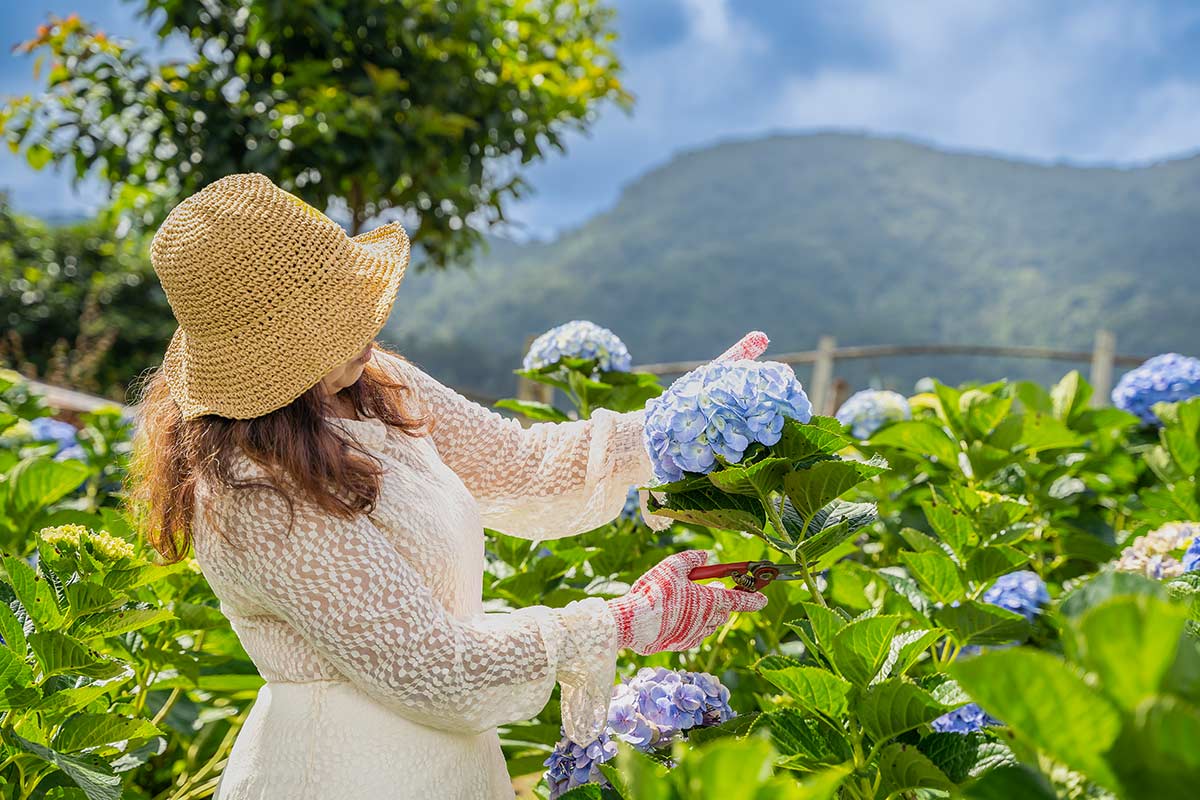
[(299, 451)]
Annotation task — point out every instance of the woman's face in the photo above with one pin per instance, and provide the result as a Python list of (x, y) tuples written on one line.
[(346, 374)]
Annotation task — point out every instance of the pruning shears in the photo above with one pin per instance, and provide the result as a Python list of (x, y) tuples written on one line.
[(748, 576)]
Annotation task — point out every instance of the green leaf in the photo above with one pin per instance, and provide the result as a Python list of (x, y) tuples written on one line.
[(540, 412), (951, 524), (963, 756), (1070, 396), (922, 439), (59, 653), (819, 436), (757, 480), (112, 623), (1043, 432), (903, 768), (991, 562), (84, 731), (973, 622), (14, 672), (820, 785), (1046, 702), (87, 598), (11, 630), (35, 593), (1139, 624), (807, 744), (907, 647), (1011, 781), (892, 707), (65, 701), (861, 648), (712, 508), (936, 574), (825, 624), (813, 488), (37, 482), (1105, 586), (1157, 757), (89, 772), (814, 689)]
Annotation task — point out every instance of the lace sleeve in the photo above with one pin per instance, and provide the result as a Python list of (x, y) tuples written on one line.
[(363, 607), (549, 480)]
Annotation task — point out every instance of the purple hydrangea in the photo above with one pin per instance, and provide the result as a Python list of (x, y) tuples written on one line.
[(1023, 592), (719, 409), (1166, 378), (1191, 558), (968, 719), (579, 339), (572, 765), (869, 410)]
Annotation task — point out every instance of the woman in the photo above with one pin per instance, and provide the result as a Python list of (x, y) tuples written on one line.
[(335, 496)]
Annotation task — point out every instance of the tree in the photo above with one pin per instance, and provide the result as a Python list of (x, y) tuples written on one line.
[(431, 107)]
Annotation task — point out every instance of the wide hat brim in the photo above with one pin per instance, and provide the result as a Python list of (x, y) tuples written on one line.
[(268, 363)]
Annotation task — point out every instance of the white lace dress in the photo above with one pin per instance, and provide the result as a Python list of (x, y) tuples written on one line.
[(385, 678)]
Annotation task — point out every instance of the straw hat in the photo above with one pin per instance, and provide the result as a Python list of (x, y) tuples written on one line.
[(270, 295)]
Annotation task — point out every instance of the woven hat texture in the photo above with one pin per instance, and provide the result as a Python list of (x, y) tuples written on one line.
[(270, 295)]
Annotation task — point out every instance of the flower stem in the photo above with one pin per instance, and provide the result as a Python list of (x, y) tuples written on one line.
[(777, 524)]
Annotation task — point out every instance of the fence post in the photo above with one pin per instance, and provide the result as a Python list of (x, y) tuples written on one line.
[(822, 381), (1103, 354)]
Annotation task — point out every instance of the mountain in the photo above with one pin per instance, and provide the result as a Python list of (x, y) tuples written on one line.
[(872, 240)]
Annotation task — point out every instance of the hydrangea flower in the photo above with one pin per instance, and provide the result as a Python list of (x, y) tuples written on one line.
[(1023, 592), (104, 544), (572, 765), (719, 409), (869, 410), (1191, 559), (1153, 555), (579, 339), (968, 719), (1166, 378), (63, 434), (649, 710)]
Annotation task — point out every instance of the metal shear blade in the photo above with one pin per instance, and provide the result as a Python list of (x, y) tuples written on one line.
[(748, 576)]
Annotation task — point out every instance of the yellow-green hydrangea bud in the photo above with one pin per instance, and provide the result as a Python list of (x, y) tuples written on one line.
[(104, 545)]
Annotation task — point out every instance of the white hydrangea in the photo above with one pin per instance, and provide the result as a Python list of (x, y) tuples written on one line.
[(869, 410), (579, 339)]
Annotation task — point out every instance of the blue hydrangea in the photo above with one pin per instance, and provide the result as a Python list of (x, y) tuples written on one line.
[(632, 510), (719, 409), (572, 765), (579, 339), (1191, 558), (869, 410), (63, 434), (1023, 592), (968, 719), (648, 711), (1166, 378)]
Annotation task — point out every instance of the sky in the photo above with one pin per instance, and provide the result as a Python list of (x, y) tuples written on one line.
[(1085, 81)]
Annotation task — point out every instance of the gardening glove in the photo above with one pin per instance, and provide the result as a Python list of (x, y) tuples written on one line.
[(666, 611), (751, 345)]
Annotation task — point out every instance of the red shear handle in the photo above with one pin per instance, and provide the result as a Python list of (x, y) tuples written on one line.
[(718, 570)]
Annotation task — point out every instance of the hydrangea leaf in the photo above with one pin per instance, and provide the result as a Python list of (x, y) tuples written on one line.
[(757, 480), (542, 412), (983, 412), (806, 743), (1139, 624), (814, 689), (923, 543), (1070, 396), (112, 623), (712, 508), (802, 440), (906, 588), (972, 622), (936, 574), (826, 623), (903, 767), (36, 595), (1043, 432), (738, 726), (861, 648), (89, 772), (58, 654), (13, 670), (819, 785), (1105, 586), (85, 731), (11, 630), (1047, 703), (952, 525), (1157, 756), (920, 438), (963, 756), (1008, 781), (813, 488), (894, 706), (37, 482), (1181, 436), (990, 562), (907, 647)]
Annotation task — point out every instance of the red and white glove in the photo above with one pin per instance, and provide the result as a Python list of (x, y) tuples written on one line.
[(752, 345), (666, 611)]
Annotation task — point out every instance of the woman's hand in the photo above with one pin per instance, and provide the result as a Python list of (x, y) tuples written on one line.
[(666, 611)]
